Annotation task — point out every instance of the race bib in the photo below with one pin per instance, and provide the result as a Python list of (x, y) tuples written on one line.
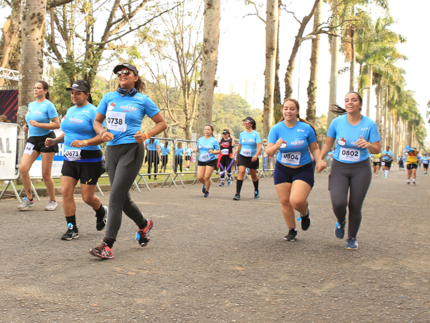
[(72, 155), (291, 158), (116, 121), (383, 164), (224, 151), (247, 152), (349, 154), (28, 148), (377, 160), (205, 157), (425, 162)]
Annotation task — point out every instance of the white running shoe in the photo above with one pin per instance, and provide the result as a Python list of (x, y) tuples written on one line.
[(26, 203), (52, 206)]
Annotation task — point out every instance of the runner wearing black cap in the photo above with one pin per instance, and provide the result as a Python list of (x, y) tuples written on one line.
[(248, 151), (42, 119), (225, 158), (124, 111), (83, 158)]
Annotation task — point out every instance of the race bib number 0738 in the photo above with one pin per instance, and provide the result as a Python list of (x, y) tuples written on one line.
[(116, 121)]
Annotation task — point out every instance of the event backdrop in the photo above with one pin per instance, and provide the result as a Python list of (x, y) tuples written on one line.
[(9, 104)]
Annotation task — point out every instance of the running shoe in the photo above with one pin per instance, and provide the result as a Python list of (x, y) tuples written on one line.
[(408, 182), (236, 197), (291, 235), (222, 183), (414, 183), (71, 233), (206, 194), (340, 230), (256, 195), (52, 206), (102, 251), (101, 225), (229, 182), (351, 244), (142, 235), (306, 221), (204, 189), (26, 203)]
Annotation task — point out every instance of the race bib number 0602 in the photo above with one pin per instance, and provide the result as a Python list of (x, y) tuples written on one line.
[(349, 154)]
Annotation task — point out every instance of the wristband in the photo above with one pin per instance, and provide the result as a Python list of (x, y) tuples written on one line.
[(86, 142), (146, 135), (102, 131)]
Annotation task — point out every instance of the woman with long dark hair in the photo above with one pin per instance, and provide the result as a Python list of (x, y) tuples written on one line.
[(355, 135), (294, 139), (248, 151), (153, 154), (165, 152), (83, 158), (124, 111), (42, 119)]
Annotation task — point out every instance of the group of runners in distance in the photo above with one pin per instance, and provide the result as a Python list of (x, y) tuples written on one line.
[(117, 121)]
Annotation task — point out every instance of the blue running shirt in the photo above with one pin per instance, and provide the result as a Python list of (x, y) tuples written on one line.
[(41, 112), (346, 137), (179, 151), (204, 145), (124, 115), (165, 150), (249, 141), (386, 158), (425, 160), (153, 146), (295, 149)]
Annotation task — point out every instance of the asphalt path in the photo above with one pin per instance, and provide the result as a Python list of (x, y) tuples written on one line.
[(218, 260)]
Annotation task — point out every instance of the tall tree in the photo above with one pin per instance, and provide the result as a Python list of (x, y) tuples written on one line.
[(269, 73), (209, 62)]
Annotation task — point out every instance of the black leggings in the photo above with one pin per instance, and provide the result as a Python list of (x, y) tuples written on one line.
[(164, 161), (178, 161), (153, 158), (356, 177)]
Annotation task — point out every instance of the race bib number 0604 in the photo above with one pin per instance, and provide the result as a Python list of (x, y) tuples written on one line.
[(291, 158), (349, 154)]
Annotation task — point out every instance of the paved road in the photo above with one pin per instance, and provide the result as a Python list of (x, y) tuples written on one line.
[(219, 260)]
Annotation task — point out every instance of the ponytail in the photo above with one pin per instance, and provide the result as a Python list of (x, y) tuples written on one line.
[(298, 116), (90, 99), (337, 110)]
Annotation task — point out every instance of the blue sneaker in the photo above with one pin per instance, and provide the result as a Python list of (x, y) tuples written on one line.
[(256, 195), (229, 182), (306, 221), (204, 189), (351, 244), (222, 183), (236, 197), (206, 194), (340, 230)]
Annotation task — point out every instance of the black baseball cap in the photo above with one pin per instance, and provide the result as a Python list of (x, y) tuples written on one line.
[(249, 119), (225, 131), (126, 65), (81, 86)]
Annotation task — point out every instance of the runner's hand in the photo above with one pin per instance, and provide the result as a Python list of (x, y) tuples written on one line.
[(362, 143), (139, 137), (279, 142), (49, 142), (107, 136), (77, 144), (254, 159), (321, 165), (34, 123), (25, 128)]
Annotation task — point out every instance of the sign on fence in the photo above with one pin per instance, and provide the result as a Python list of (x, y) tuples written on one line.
[(8, 145)]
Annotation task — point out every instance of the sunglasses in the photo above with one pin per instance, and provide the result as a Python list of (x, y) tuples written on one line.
[(127, 72), (247, 121)]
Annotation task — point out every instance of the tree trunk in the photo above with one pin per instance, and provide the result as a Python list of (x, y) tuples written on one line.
[(269, 73), (334, 50), (10, 35), (353, 60), (313, 81), (395, 140), (370, 90), (409, 135), (277, 101), (209, 63)]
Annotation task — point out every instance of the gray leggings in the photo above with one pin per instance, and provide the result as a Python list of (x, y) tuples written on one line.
[(123, 163), (355, 177)]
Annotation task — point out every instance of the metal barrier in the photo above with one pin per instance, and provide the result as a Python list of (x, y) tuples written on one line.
[(10, 140), (188, 146)]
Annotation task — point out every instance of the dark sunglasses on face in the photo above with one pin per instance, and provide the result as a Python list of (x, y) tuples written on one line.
[(127, 72)]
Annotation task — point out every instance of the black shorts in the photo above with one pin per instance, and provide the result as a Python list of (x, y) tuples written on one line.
[(248, 163), (411, 166), (86, 173), (39, 143), (426, 166), (375, 163), (284, 174), (211, 163), (387, 164), (187, 157)]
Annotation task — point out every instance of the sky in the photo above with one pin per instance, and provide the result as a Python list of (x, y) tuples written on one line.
[(241, 58)]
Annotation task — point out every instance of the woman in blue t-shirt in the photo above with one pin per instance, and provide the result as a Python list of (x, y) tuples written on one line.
[(294, 139), (165, 152), (153, 154), (124, 111), (356, 135), (248, 150), (179, 157), (83, 158), (208, 148), (42, 119)]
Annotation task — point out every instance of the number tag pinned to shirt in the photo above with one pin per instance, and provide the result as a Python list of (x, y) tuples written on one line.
[(205, 157), (291, 158), (116, 121), (349, 154), (72, 155), (28, 148), (224, 151), (247, 152)]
